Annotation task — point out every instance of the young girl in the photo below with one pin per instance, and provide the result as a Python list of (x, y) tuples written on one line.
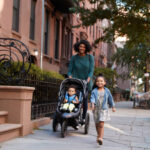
[(100, 97)]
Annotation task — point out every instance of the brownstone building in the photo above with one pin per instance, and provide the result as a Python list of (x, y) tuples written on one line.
[(45, 26)]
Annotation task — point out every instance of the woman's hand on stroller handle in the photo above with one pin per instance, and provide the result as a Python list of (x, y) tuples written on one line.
[(88, 79)]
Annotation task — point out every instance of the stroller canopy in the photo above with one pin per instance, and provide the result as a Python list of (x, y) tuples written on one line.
[(80, 84)]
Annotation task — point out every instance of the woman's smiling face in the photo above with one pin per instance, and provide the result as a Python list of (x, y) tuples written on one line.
[(82, 49)]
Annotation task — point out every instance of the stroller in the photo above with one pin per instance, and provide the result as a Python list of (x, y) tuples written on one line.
[(73, 118)]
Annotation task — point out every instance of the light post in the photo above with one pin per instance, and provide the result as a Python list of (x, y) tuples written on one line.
[(42, 34)]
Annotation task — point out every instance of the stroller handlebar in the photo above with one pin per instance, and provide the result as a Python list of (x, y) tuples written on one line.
[(85, 82)]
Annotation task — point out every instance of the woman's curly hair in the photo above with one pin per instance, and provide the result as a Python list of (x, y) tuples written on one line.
[(88, 47)]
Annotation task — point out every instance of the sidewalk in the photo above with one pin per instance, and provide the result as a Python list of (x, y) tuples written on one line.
[(129, 129)]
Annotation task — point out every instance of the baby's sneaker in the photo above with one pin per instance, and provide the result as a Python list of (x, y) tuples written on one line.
[(61, 108)]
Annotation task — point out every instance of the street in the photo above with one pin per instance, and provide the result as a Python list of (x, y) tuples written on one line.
[(129, 129)]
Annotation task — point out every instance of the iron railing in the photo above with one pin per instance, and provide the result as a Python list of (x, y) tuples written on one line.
[(45, 96), (13, 56)]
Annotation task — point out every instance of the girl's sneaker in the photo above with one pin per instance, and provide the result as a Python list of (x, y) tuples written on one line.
[(100, 141)]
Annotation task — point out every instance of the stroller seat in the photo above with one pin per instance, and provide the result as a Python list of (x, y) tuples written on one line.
[(77, 106)]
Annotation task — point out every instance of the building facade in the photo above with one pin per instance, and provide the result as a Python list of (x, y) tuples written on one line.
[(52, 48)]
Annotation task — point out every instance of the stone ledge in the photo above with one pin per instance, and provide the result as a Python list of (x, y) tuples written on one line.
[(6, 127), (3, 113), (40, 122), (19, 88)]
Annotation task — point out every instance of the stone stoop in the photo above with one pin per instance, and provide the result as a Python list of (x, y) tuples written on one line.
[(3, 117), (9, 131)]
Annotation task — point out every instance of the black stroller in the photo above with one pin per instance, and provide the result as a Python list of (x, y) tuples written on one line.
[(73, 118)]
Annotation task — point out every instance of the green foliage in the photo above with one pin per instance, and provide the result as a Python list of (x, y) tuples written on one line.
[(127, 18), (109, 74), (34, 70), (134, 58), (130, 18), (43, 74)]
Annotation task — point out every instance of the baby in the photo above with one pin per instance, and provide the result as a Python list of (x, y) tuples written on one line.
[(70, 99)]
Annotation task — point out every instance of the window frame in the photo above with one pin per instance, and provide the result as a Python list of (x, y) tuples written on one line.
[(15, 16), (32, 20), (57, 38), (46, 31)]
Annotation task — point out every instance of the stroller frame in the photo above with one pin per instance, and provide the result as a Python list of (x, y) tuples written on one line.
[(74, 118)]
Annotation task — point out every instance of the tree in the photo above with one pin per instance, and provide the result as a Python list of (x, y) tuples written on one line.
[(130, 18), (134, 58)]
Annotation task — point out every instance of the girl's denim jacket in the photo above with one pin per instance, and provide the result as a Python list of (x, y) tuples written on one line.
[(108, 99)]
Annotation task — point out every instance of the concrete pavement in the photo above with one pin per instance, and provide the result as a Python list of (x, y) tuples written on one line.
[(129, 129)]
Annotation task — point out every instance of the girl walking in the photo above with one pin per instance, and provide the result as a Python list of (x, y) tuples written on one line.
[(100, 97)]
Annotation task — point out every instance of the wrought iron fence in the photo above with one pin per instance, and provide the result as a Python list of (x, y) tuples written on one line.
[(13, 56), (45, 98)]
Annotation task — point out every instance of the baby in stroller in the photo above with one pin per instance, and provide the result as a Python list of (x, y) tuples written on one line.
[(69, 108), (70, 99)]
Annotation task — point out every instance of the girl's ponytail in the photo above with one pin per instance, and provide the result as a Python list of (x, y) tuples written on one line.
[(100, 75)]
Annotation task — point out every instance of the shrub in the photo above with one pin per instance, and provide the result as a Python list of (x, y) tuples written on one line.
[(43, 74), (13, 71)]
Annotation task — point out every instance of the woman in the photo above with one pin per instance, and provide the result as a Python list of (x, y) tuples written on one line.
[(81, 67)]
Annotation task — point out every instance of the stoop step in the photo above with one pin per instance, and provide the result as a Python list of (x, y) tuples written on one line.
[(3, 116), (9, 131)]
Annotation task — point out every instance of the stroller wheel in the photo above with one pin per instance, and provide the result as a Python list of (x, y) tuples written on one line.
[(55, 123), (64, 129), (87, 122)]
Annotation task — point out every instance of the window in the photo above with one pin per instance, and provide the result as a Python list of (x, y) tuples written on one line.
[(77, 39), (46, 33), (90, 30), (96, 31), (57, 39), (68, 43), (93, 32), (71, 44), (32, 19), (15, 23)]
